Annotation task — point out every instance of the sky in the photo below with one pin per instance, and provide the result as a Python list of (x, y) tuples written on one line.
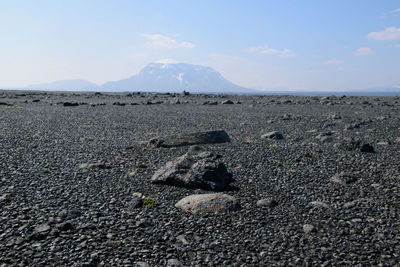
[(297, 45)]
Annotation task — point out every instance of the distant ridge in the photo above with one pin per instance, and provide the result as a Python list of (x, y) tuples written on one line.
[(66, 85), (178, 77)]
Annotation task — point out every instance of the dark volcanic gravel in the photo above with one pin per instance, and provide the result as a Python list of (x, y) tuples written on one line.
[(73, 165)]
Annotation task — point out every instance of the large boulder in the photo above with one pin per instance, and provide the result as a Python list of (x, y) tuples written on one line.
[(198, 138), (195, 170), (208, 203)]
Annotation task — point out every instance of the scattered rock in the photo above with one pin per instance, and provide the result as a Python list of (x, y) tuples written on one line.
[(42, 228), (195, 171), (198, 138), (308, 228), (94, 165), (210, 103), (70, 104), (226, 102), (342, 178), (319, 204), (382, 143), (119, 104), (325, 137), (135, 203), (65, 226), (367, 148), (5, 198), (350, 204), (267, 203), (141, 264), (174, 263), (143, 223), (208, 203), (272, 135), (184, 93), (183, 239), (334, 117)]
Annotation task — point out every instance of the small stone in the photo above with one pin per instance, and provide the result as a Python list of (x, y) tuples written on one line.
[(382, 143), (42, 228), (182, 239), (367, 148), (143, 223), (308, 228), (267, 202), (174, 263), (135, 203), (65, 226), (319, 204), (350, 204), (93, 165), (342, 178), (131, 174), (273, 135), (70, 104), (137, 194), (226, 102)]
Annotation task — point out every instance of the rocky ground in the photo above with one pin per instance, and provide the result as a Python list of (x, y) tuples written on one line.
[(72, 167)]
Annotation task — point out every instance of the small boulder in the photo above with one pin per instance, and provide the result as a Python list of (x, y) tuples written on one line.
[(227, 102), (196, 171), (198, 138), (208, 203)]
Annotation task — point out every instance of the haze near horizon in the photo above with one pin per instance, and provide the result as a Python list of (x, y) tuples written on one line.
[(265, 45)]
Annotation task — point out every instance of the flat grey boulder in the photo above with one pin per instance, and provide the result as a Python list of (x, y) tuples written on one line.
[(198, 138), (200, 170), (208, 203)]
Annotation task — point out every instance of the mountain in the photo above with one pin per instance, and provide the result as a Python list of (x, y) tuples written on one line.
[(176, 77), (66, 85)]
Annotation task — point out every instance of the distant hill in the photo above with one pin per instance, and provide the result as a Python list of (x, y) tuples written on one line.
[(66, 85), (178, 77), (159, 77)]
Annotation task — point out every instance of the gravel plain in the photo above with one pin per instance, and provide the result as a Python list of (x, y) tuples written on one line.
[(71, 165)]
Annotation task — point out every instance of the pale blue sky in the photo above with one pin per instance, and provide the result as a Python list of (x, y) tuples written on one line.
[(306, 45)]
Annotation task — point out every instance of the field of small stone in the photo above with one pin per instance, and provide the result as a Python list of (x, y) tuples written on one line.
[(78, 171)]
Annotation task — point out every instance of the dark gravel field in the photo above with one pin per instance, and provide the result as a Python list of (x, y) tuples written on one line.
[(315, 180)]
